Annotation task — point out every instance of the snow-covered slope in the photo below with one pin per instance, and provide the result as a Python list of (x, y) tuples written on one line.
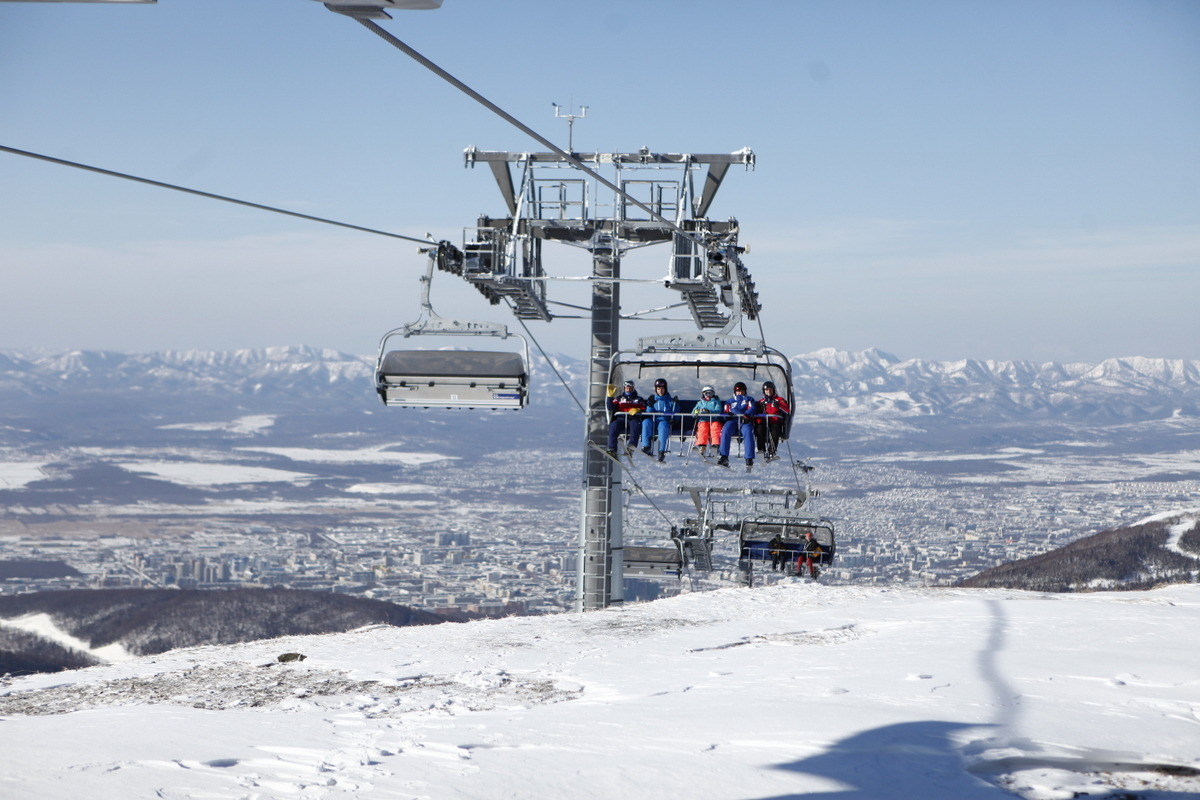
[(796, 690)]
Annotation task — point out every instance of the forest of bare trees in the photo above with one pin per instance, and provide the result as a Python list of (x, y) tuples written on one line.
[(149, 621), (1127, 558)]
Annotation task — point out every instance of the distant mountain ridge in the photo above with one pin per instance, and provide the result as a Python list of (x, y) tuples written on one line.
[(828, 383), (1117, 389), (263, 372), (1156, 551)]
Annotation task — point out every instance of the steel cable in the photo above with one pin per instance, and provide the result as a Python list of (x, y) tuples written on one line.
[(209, 195), (474, 95), (550, 363)]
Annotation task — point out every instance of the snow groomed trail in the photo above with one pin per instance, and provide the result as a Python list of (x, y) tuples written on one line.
[(795, 690)]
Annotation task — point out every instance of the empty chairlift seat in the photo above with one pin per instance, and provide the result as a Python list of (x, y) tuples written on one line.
[(653, 561), (452, 379)]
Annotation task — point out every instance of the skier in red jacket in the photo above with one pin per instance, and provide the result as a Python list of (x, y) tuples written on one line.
[(768, 425)]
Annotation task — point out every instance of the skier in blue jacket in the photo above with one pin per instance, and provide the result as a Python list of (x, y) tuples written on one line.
[(661, 409), (740, 411)]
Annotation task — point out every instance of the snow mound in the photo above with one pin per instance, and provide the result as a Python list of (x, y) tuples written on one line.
[(794, 690)]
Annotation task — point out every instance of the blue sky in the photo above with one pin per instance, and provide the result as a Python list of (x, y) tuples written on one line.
[(937, 179)]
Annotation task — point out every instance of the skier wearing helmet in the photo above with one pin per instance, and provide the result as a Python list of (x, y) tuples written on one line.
[(708, 412), (624, 408), (740, 412), (768, 426), (661, 409)]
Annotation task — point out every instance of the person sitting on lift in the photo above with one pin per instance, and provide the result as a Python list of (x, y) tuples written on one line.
[(778, 552), (624, 408), (768, 427), (661, 409), (810, 549), (740, 411), (708, 412)]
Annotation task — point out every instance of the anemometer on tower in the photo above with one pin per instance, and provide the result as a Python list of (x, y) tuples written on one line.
[(570, 117)]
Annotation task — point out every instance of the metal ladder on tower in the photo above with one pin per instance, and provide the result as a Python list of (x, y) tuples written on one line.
[(701, 554)]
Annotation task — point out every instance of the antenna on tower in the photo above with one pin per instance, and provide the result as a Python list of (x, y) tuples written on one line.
[(570, 117)]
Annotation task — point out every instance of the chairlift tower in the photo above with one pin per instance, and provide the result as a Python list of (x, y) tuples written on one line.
[(502, 257)]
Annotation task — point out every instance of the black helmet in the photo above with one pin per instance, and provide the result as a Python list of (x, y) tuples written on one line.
[(768, 385), (660, 382), (740, 385)]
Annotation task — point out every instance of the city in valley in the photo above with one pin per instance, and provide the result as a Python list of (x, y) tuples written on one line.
[(477, 513)]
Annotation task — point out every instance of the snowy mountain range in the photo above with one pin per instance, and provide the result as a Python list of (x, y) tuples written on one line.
[(1117, 389), (829, 383)]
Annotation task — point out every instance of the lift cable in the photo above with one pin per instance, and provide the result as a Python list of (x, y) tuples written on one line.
[(795, 475), (551, 364), (569, 157), (633, 480), (209, 195)]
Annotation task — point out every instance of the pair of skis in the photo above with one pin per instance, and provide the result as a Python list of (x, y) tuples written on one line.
[(726, 465), (749, 466)]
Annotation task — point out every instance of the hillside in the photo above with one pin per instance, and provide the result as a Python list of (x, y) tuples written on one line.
[(1156, 551), (799, 690), (152, 621)]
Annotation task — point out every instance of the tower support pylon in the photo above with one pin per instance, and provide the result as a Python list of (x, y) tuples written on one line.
[(599, 551)]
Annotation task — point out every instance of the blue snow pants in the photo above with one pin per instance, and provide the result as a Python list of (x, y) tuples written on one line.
[(746, 425), (660, 426)]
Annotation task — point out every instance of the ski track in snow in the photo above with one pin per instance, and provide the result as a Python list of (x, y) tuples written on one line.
[(43, 625), (1176, 533), (794, 690), (18, 474)]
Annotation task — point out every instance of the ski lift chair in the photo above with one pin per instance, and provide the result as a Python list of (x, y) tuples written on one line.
[(451, 378), (653, 561), (691, 361), (756, 535)]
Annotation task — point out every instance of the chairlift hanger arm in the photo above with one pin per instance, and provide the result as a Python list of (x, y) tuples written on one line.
[(209, 195)]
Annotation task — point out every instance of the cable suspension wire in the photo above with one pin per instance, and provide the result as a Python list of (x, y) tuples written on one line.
[(569, 157), (762, 336), (633, 480), (567, 305), (209, 195), (550, 363)]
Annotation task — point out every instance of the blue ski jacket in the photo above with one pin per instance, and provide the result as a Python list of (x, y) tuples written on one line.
[(741, 405), (662, 405)]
